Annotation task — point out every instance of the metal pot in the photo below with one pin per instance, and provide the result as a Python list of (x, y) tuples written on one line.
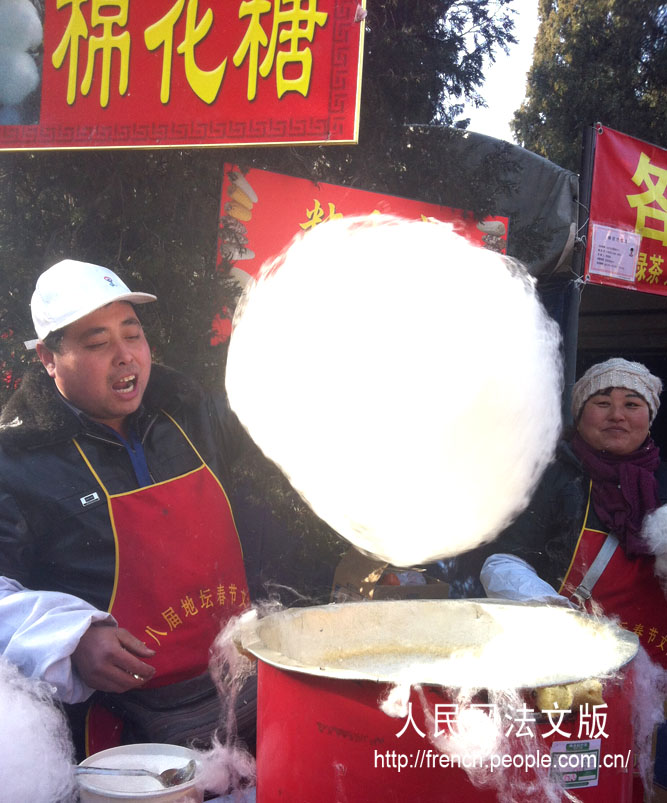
[(322, 737)]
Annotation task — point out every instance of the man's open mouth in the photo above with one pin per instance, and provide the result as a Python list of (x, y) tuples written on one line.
[(126, 384)]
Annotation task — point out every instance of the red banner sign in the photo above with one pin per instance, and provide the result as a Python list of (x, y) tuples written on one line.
[(262, 211), (175, 73), (627, 234)]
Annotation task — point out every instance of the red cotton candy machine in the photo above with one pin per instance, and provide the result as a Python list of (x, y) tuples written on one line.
[(323, 736)]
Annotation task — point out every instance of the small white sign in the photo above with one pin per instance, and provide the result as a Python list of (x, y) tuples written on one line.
[(576, 765), (614, 252)]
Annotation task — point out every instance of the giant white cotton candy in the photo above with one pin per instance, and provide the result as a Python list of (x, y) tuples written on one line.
[(407, 383), (36, 751)]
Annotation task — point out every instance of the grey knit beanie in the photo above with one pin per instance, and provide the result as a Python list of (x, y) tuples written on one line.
[(617, 373)]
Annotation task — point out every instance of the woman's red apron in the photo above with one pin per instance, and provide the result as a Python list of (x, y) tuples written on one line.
[(179, 572), (627, 589)]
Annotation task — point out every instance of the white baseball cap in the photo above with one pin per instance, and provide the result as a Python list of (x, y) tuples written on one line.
[(70, 290)]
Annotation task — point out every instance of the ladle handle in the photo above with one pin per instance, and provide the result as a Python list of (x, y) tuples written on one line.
[(112, 771)]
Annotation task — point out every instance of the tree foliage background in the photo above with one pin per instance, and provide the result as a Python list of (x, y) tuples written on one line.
[(598, 60), (153, 216)]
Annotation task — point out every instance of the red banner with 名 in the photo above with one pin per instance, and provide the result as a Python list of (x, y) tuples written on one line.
[(627, 236), (262, 211), (178, 73)]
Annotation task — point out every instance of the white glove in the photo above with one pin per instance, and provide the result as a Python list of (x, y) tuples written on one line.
[(509, 577)]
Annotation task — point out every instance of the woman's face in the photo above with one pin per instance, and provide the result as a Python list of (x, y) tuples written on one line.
[(615, 420)]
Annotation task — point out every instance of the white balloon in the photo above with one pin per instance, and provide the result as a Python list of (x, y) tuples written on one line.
[(406, 381), (20, 26), (18, 76)]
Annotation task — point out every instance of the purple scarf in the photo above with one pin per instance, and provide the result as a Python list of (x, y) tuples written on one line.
[(624, 489)]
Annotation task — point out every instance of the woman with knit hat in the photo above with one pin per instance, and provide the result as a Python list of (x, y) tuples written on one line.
[(595, 531)]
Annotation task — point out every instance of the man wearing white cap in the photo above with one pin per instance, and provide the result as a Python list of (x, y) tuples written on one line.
[(119, 555)]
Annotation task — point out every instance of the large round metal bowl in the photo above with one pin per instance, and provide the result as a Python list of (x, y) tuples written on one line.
[(451, 643)]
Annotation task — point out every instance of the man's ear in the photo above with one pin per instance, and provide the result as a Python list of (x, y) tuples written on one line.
[(47, 358)]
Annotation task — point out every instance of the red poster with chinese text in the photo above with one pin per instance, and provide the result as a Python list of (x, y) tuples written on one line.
[(178, 73), (627, 236), (262, 211)]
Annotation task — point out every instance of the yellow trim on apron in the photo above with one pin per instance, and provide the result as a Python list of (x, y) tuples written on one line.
[(178, 426), (581, 532), (583, 529), (111, 520), (204, 463), (86, 733)]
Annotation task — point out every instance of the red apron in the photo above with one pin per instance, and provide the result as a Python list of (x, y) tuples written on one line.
[(179, 574), (627, 588)]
